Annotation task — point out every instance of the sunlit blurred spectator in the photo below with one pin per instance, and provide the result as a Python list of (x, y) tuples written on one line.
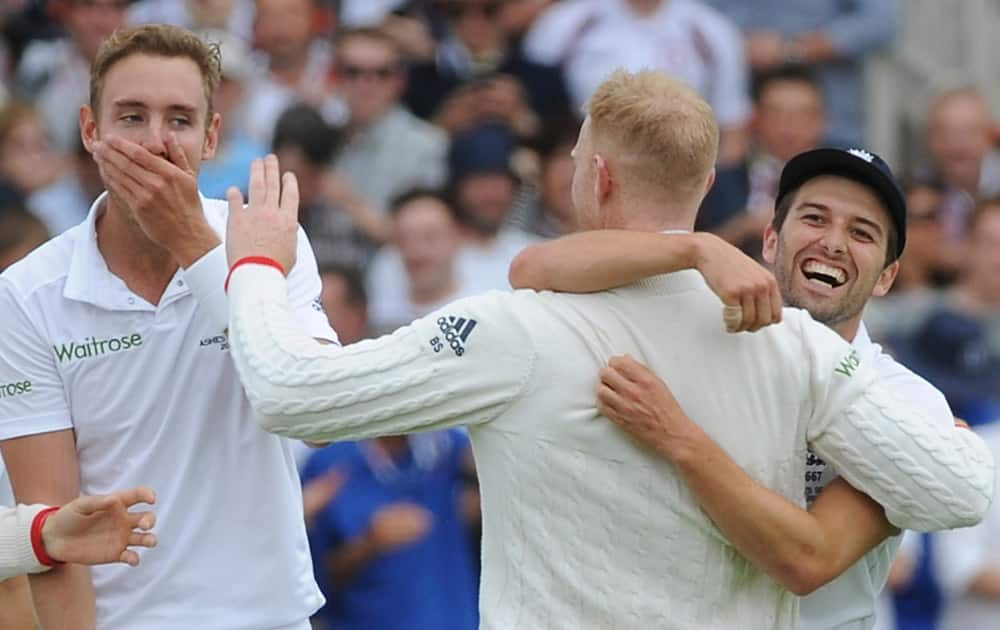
[(55, 74), (305, 145), (590, 39), (20, 232), (387, 150), (427, 242), (964, 161), (297, 65), (484, 187), (234, 16), (968, 562), (478, 74), (832, 35), (392, 549), (237, 148), (788, 119), (345, 302)]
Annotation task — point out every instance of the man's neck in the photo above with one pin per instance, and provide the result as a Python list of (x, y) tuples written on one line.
[(290, 70), (848, 330), (145, 267)]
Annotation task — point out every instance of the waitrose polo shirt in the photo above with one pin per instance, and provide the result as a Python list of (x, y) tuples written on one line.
[(153, 398)]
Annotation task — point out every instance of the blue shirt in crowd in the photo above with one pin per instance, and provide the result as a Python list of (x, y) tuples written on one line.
[(431, 584)]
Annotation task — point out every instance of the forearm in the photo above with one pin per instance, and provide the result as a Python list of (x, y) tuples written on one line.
[(779, 537), (598, 260), (64, 598), (926, 476), (16, 608), (987, 583)]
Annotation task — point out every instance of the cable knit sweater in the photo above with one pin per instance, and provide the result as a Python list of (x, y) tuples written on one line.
[(582, 528)]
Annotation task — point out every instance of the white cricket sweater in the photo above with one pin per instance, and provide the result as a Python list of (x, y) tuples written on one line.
[(581, 528)]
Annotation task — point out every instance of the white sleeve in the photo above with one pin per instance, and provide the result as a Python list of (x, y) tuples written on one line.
[(32, 399), (463, 365), (16, 554), (927, 476)]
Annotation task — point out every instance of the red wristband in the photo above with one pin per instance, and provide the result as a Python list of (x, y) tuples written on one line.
[(36, 537), (253, 260)]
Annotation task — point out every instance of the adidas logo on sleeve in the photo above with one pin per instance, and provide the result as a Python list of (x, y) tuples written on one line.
[(456, 332)]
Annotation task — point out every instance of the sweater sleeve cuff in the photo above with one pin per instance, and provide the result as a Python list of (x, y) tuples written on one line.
[(206, 279), (17, 541)]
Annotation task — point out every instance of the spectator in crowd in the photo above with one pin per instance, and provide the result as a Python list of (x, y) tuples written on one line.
[(387, 150), (549, 213), (66, 202), (976, 292), (685, 38), (297, 65), (965, 161), (305, 145), (345, 302), (788, 119), (55, 74), (29, 164), (968, 562), (477, 75), (392, 549), (950, 350), (20, 232), (234, 16), (237, 147), (484, 187), (833, 36), (931, 260), (427, 240)]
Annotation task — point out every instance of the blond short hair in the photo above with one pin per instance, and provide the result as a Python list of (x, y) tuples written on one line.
[(667, 132), (158, 40)]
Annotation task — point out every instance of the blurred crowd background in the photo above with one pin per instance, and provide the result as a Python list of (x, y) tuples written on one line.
[(432, 140)]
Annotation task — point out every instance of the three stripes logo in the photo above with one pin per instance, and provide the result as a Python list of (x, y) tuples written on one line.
[(456, 331)]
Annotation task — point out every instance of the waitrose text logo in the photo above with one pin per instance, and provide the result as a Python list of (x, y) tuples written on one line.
[(9, 390), (92, 347)]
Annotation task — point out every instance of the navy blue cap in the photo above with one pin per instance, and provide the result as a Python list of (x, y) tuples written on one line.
[(860, 165), (483, 149)]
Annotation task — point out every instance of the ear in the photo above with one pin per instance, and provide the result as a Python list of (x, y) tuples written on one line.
[(603, 181), (709, 182), (212, 137), (88, 128), (885, 279), (769, 250)]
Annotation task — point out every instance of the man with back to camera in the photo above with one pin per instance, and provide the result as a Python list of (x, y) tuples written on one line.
[(581, 529), (835, 240), (119, 326)]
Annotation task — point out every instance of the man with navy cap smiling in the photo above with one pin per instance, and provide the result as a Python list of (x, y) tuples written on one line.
[(838, 231)]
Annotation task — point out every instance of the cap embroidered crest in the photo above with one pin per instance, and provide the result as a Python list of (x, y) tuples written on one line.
[(861, 153)]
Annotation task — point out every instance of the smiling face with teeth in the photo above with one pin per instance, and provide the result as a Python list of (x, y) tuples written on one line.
[(829, 254)]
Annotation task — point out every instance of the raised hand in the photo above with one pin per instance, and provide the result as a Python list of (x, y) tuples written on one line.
[(99, 530), (268, 225)]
